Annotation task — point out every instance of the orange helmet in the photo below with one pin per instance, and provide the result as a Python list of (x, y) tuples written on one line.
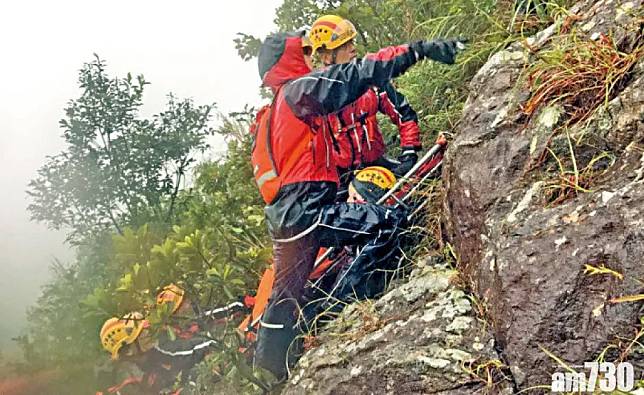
[(171, 294)]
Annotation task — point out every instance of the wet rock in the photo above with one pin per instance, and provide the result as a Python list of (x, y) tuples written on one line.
[(525, 260)]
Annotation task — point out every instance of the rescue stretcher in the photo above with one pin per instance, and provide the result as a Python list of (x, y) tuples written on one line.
[(400, 194)]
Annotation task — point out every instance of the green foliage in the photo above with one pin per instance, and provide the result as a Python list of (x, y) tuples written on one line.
[(124, 174), (118, 169), (215, 251), (296, 15), (229, 372), (247, 46)]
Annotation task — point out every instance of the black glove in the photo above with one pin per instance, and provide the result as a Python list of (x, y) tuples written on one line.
[(407, 160), (441, 50)]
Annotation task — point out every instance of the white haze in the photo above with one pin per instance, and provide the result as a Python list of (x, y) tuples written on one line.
[(181, 47)]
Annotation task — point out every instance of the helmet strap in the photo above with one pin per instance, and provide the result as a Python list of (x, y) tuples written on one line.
[(334, 57)]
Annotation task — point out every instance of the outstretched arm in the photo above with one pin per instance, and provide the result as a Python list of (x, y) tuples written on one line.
[(331, 89)]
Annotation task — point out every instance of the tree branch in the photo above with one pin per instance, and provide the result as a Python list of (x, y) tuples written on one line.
[(173, 198)]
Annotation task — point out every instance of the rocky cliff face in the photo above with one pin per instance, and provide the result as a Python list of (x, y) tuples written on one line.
[(524, 258), (545, 251), (419, 338)]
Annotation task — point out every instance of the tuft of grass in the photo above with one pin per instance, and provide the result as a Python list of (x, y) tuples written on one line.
[(481, 310), (429, 222), (332, 307), (623, 346), (580, 75), (635, 341), (491, 372), (570, 181)]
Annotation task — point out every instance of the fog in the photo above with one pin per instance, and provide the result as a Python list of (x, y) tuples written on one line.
[(181, 47)]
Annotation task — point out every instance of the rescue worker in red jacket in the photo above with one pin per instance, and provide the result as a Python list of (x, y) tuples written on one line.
[(356, 126), (301, 180)]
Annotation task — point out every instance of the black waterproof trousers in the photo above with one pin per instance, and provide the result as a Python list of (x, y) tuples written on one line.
[(304, 218)]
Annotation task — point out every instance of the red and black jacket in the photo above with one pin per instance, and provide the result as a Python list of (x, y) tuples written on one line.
[(303, 101), (357, 132)]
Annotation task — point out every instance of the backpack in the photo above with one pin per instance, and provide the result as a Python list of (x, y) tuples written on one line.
[(269, 180), (264, 168)]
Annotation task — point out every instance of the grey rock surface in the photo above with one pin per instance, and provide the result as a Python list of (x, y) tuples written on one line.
[(419, 338), (525, 259)]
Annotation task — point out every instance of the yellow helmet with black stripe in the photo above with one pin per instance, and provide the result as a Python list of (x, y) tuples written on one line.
[(373, 182)]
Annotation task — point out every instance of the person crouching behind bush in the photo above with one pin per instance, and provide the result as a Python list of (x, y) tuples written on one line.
[(161, 358)]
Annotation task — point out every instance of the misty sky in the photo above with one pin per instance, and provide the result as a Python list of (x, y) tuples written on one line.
[(181, 47)]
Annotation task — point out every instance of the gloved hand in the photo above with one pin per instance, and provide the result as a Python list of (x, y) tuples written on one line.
[(440, 50), (407, 160)]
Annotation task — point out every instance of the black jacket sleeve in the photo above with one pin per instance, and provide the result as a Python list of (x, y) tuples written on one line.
[(397, 108), (326, 91), (394, 103)]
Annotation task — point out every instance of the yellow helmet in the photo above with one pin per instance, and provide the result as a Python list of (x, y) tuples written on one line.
[(171, 294), (373, 182), (330, 32), (116, 332)]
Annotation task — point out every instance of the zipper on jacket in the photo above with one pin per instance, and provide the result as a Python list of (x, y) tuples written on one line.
[(355, 133), (353, 150), (326, 145), (366, 134), (363, 122)]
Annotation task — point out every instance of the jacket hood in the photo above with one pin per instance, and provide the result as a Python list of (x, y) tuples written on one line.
[(281, 59)]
